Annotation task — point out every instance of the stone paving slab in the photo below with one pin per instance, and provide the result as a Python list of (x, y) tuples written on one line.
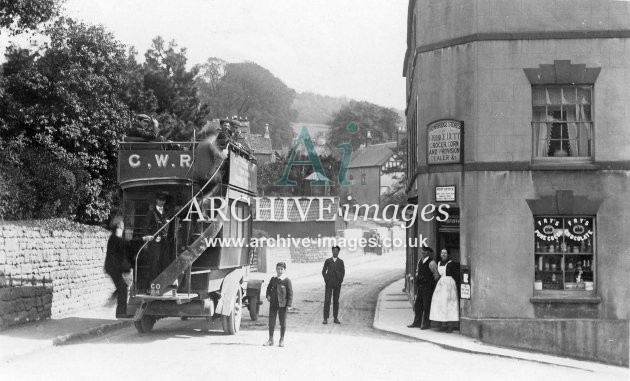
[(31, 337)]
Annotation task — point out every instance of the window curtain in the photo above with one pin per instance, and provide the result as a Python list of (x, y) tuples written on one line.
[(584, 131), (572, 129), (541, 128)]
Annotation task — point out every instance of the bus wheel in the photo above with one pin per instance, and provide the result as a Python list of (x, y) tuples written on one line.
[(254, 307), (145, 324), (232, 323)]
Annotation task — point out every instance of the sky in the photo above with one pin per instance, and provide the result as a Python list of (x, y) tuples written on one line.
[(352, 48)]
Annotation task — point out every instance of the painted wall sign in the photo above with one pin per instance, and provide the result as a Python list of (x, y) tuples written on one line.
[(143, 164), (445, 194), (444, 141)]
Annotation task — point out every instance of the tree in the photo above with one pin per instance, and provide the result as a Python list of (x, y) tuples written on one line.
[(248, 89), (269, 173), (380, 121), (67, 103), (177, 104), (19, 15)]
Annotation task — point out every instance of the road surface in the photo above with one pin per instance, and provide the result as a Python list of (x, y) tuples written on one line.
[(196, 350)]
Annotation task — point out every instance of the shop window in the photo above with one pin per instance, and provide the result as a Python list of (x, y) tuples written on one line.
[(564, 253), (562, 121)]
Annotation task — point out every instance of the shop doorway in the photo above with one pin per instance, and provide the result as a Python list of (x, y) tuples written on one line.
[(448, 236)]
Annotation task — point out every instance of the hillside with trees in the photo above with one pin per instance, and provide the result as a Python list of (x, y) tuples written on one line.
[(316, 108), (247, 89)]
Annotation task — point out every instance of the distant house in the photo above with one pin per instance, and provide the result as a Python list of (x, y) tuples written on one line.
[(261, 145), (317, 132), (367, 170), (294, 224)]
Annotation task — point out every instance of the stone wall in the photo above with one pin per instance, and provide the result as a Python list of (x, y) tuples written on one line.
[(50, 268), (310, 254)]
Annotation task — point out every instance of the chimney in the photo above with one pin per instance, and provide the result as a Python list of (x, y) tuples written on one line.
[(266, 136), (368, 138)]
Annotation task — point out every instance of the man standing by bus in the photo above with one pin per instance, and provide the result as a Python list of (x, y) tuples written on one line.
[(333, 273)]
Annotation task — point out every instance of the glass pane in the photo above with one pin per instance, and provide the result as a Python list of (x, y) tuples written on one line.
[(578, 232), (552, 274), (539, 113), (584, 95), (584, 139), (555, 96), (573, 148), (539, 96), (547, 234), (554, 113), (568, 95), (569, 112), (584, 112)]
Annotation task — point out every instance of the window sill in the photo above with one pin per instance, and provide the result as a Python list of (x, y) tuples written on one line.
[(554, 164), (565, 297)]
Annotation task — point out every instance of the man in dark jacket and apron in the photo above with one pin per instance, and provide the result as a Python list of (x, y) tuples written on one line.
[(426, 277), (333, 273)]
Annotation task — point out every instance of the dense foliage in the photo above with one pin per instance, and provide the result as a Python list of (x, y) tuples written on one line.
[(248, 89), (19, 15), (381, 122), (62, 110)]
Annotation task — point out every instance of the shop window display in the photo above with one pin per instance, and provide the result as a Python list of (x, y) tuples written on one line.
[(564, 253)]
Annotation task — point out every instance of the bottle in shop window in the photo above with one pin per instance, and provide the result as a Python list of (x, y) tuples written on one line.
[(582, 246), (537, 246)]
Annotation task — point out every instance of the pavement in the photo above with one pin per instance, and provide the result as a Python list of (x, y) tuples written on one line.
[(394, 312)]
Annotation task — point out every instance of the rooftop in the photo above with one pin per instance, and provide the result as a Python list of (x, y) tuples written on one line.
[(372, 155)]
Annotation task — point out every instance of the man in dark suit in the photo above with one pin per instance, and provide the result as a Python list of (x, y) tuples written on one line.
[(426, 278), (157, 257), (333, 273)]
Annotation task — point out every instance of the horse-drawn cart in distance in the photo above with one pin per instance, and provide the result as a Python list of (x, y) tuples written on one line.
[(181, 270)]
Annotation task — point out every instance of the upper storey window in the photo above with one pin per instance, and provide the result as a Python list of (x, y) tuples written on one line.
[(562, 121), (562, 111)]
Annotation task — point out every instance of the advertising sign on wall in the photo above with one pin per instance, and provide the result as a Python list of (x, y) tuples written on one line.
[(465, 282), (445, 194), (444, 141)]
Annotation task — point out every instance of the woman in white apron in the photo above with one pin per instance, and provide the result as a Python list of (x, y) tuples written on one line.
[(445, 302)]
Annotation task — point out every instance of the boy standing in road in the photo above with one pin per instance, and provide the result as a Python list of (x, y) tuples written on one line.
[(280, 298), (333, 273)]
